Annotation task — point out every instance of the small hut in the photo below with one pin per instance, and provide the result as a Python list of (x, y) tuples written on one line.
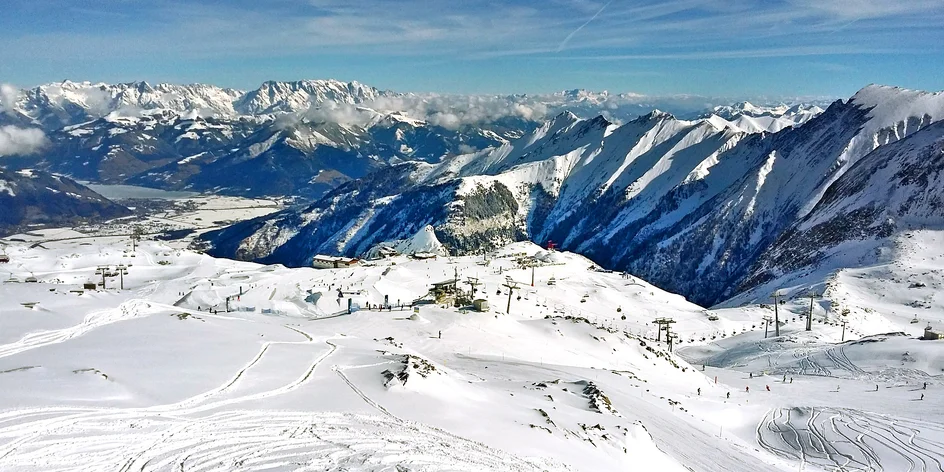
[(480, 305), (930, 334), (445, 291), (333, 262)]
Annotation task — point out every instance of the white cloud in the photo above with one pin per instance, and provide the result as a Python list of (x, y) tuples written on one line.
[(7, 98), (341, 113), (859, 9), (448, 111), (15, 140), (21, 141), (466, 149)]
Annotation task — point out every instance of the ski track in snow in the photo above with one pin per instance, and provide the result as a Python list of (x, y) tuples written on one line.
[(125, 311), (851, 440), (195, 435)]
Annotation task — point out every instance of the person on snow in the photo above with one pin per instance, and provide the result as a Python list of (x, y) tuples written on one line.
[(768, 387), (729, 395), (747, 389), (699, 391), (791, 379)]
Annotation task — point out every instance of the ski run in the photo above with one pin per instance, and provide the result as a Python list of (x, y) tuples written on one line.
[(212, 364)]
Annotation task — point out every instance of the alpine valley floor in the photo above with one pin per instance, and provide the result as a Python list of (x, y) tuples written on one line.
[(159, 376)]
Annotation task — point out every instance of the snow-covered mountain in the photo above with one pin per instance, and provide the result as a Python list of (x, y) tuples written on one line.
[(68, 103), (754, 119), (251, 155), (30, 198), (704, 200), (424, 241), (865, 218), (298, 96)]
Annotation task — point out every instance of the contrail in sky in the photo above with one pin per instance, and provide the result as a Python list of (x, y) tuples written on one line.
[(566, 40)]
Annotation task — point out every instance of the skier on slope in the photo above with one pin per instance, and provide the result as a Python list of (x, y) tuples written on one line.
[(729, 395), (699, 391), (768, 387), (747, 389)]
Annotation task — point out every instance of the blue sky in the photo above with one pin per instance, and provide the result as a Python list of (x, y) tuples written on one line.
[(732, 48)]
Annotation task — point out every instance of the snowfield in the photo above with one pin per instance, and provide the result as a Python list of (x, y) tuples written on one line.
[(212, 364)]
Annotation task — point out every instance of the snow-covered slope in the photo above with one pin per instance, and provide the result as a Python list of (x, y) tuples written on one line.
[(858, 405), (569, 378), (287, 379), (872, 241)]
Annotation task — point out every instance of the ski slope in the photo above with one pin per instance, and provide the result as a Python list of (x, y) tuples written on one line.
[(160, 376)]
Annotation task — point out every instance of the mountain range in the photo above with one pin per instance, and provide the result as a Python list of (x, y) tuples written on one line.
[(697, 207), (302, 138)]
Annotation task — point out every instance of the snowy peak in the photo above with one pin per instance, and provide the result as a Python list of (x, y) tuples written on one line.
[(750, 118), (654, 115), (71, 102), (423, 242), (275, 97), (894, 104), (749, 109), (66, 103)]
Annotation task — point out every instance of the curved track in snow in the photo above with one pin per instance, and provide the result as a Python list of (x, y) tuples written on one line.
[(125, 311), (851, 440), (257, 440), (205, 432)]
